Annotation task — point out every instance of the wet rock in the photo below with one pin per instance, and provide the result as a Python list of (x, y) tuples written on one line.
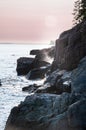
[(39, 73), (49, 112), (47, 88), (53, 112), (70, 48), (67, 87), (24, 65), (36, 110), (43, 57), (34, 52), (44, 54), (37, 63), (31, 88), (57, 82), (52, 78), (0, 82)]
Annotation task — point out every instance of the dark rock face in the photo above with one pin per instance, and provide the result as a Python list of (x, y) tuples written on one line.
[(36, 111), (79, 79), (77, 114), (53, 112), (39, 73), (34, 52), (70, 48), (43, 58), (24, 65), (57, 83), (53, 77), (31, 88), (46, 88), (37, 63)]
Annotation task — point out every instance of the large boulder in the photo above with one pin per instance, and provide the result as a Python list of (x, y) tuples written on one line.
[(24, 65), (70, 48)]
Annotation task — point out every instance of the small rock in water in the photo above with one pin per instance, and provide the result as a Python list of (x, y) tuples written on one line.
[(0, 82)]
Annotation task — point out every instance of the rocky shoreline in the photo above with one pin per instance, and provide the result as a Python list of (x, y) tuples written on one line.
[(60, 103)]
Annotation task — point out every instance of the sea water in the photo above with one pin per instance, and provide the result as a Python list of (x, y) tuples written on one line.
[(11, 90)]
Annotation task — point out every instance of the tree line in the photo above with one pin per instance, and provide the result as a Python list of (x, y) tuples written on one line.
[(79, 11)]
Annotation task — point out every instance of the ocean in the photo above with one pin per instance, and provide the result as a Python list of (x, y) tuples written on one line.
[(11, 90)]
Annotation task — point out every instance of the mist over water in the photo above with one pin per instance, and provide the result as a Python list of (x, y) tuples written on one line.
[(11, 90)]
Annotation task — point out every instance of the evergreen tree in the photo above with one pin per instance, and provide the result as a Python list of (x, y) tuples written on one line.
[(79, 11)]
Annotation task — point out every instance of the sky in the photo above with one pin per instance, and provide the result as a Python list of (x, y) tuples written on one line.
[(33, 21)]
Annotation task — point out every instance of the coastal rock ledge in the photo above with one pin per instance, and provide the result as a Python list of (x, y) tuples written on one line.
[(53, 112), (62, 111)]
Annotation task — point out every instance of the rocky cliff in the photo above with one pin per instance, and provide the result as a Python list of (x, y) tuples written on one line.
[(70, 47), (59, 107), (51, 111)]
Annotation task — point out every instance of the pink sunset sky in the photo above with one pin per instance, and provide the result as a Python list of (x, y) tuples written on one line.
[(32, 21)]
